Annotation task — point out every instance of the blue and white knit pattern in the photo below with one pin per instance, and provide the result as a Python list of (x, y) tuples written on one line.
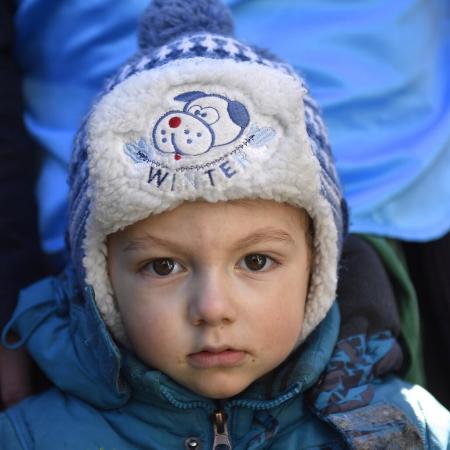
[(200, 45), (330, 186), (79, 202)]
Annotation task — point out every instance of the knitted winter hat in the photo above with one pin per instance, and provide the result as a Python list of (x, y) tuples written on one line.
[(197, 115)]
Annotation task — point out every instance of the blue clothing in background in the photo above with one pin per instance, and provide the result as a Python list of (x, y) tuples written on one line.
[(380, 71), (66, 50), (378, 68)]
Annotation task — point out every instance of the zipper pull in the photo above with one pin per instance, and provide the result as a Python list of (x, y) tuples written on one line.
[(221, 436)]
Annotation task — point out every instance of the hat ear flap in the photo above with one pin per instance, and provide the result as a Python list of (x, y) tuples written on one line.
[(238, 113), (189, 96)]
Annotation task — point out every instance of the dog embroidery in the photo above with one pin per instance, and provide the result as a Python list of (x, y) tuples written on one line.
[(206, 121)]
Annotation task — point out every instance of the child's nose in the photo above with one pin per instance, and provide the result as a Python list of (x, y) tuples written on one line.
[(212, 303)]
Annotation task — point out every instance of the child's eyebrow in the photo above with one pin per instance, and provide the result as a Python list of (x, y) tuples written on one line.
[(143, 242), (256, 237), (264, 235)]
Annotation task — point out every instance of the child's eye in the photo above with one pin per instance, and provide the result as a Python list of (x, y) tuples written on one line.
[(256, 262), (163, 267)]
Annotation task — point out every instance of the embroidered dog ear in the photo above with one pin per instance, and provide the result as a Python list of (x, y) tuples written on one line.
[(238, 113), (189, 96), (139, 151)]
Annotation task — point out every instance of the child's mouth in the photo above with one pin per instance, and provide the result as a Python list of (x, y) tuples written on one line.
[(207, 359)]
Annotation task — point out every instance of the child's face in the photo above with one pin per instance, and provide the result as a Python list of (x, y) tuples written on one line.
[(213, 295)]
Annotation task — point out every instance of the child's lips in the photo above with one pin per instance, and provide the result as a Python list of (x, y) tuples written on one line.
[(210, 358)]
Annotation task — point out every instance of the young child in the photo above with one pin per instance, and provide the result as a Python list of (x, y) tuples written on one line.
[(206, 226)]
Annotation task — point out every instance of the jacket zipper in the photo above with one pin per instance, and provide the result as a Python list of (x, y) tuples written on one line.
[(221, 436)]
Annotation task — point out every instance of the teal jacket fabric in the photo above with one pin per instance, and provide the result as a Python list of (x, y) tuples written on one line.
[(328, 394)]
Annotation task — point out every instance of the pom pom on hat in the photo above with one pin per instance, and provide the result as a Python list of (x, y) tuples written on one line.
[(165, 20)]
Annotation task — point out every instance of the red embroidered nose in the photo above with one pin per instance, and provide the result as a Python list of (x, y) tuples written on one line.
[(174, 122)]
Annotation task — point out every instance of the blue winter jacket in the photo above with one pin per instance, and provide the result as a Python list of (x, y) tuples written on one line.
[(105, 398)]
